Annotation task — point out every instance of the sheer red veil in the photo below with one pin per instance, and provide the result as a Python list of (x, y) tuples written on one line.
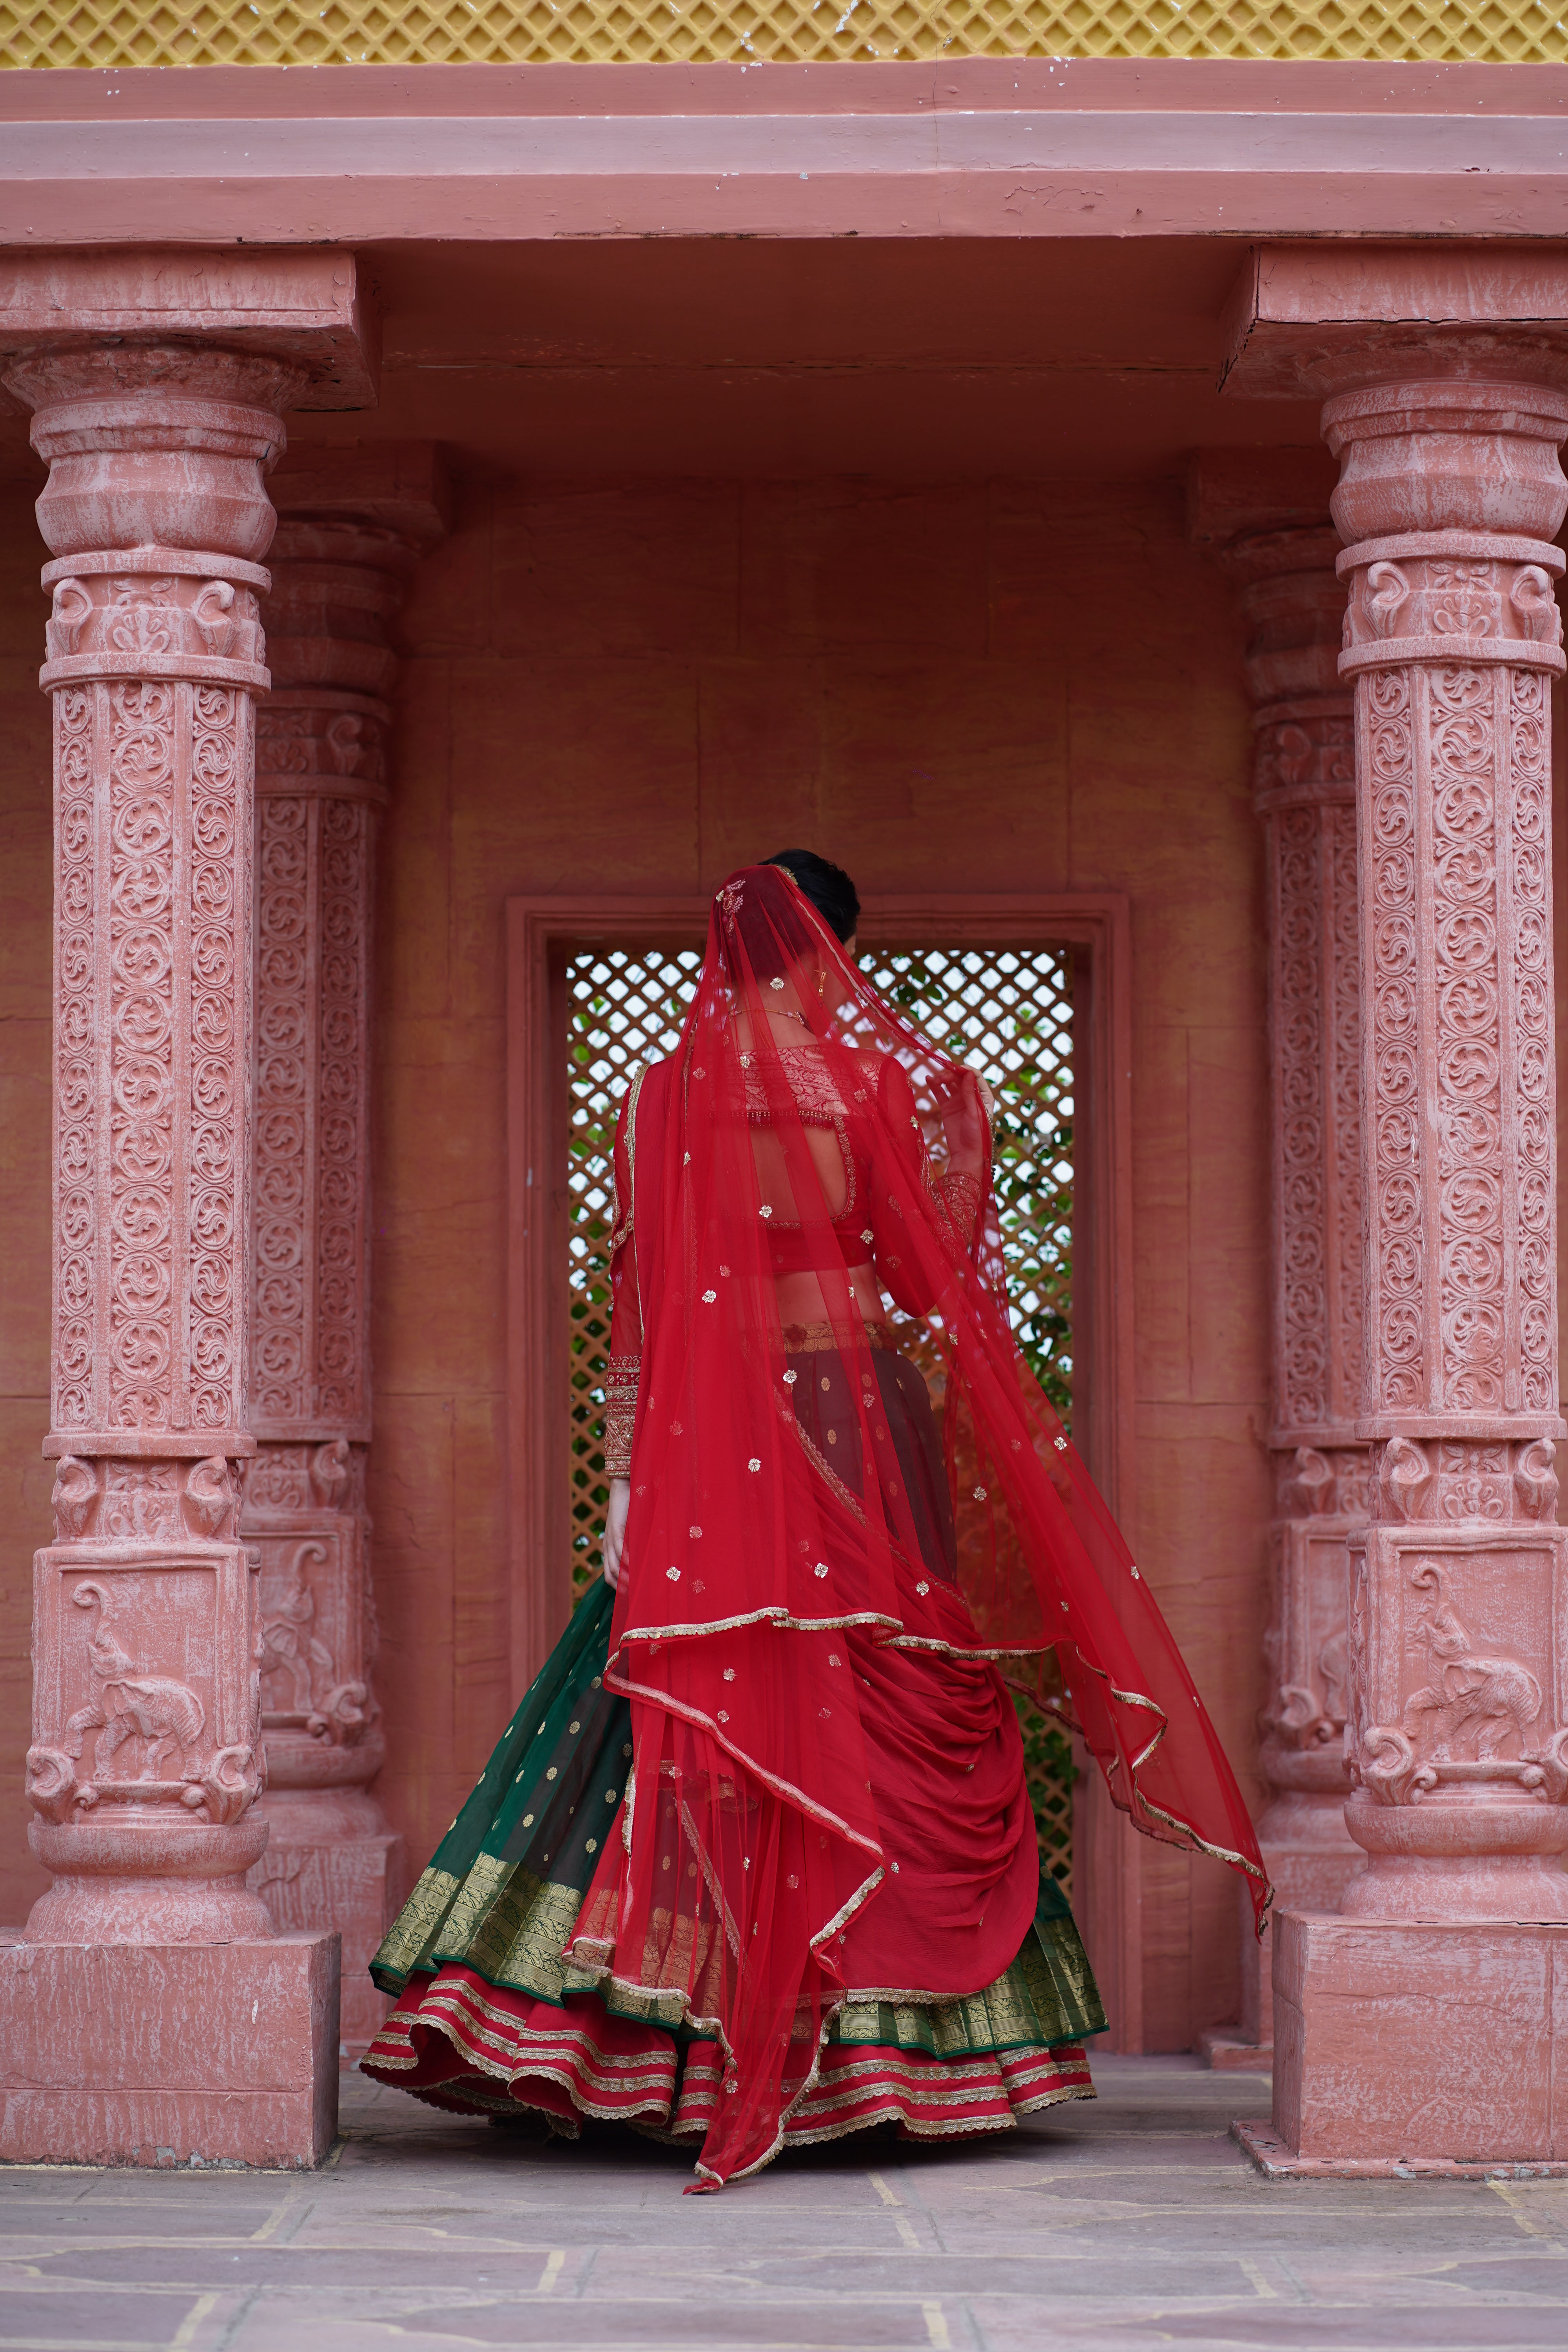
[(750, 1836)]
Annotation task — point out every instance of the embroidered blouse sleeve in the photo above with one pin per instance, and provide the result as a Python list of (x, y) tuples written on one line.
[(624, 1373)]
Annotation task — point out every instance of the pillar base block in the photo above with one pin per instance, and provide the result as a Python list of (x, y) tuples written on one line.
[(1223, 2048), (1406, 2045), (162, 2056), (1309, 1871), (1275, 2161), (334, 1857)]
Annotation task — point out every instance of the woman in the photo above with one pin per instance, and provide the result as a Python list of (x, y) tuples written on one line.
[(754, 1863)]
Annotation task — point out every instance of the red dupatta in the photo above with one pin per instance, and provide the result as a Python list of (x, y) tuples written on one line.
[(751, 1837)]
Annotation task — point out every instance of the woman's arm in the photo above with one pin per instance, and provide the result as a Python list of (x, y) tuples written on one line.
[(967, 1113), (614, 1533)]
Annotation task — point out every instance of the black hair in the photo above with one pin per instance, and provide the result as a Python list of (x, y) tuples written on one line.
[(827, 886)]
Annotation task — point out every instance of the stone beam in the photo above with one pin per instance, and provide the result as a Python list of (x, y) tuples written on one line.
[(890, 147)]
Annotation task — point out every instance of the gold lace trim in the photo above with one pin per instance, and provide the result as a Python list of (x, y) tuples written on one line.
[(888, 2110), (623, 1378), (818, 1099), (958, 1195), (417, 1921), (513, 1929), (621, 1225), (618, 1429), (822, 1339), (1047, 1997)]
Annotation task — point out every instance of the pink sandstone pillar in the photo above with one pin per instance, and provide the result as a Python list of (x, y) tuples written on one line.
[(150, 2014), (1425, 2021), (1265, 515), (352, 525)]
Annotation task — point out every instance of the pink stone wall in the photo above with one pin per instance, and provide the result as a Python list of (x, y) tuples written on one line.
[(623, 687)]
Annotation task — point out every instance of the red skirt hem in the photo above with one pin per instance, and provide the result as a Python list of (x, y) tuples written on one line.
[(473, 2048)]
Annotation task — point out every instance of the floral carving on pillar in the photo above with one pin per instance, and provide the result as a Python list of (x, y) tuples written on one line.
[(339, 573), (1454, 1336), (147, 1752), (315, 863), (1316, 1034), (153, 1006)]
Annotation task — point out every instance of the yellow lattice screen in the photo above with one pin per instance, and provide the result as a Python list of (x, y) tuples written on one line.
[(426, 32)]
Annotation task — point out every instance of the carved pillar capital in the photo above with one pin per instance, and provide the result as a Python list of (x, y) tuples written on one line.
[(1294, 606), (353, 527), (336, 589), (1451, 492), (155, 445)]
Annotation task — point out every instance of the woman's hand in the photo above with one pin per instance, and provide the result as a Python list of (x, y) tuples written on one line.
[(616, 1530), (962, 1111)]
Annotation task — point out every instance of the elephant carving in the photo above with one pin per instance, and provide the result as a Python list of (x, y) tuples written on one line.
[(1475, 1698), (165, 1717)]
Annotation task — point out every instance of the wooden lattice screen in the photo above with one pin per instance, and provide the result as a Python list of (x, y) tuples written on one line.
[(1008, 1013)]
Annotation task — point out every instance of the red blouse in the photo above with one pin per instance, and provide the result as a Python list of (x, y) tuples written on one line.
[(866, 1233)]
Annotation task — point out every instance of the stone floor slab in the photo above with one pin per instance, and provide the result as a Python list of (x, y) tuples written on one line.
[(1132, 2223)]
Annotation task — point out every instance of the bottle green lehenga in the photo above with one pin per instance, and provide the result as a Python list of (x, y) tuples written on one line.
[(489, 2019)]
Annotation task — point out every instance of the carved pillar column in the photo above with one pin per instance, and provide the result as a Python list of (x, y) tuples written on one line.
[(348, 537), (1449, 494), (1305, 794), (155, 650), (150, 2014), (1457, 1704)]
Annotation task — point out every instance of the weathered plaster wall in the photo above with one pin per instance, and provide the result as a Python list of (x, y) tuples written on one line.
[(612, 687)]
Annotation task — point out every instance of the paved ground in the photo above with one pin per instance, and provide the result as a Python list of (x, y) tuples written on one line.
[(1122, 2226)]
